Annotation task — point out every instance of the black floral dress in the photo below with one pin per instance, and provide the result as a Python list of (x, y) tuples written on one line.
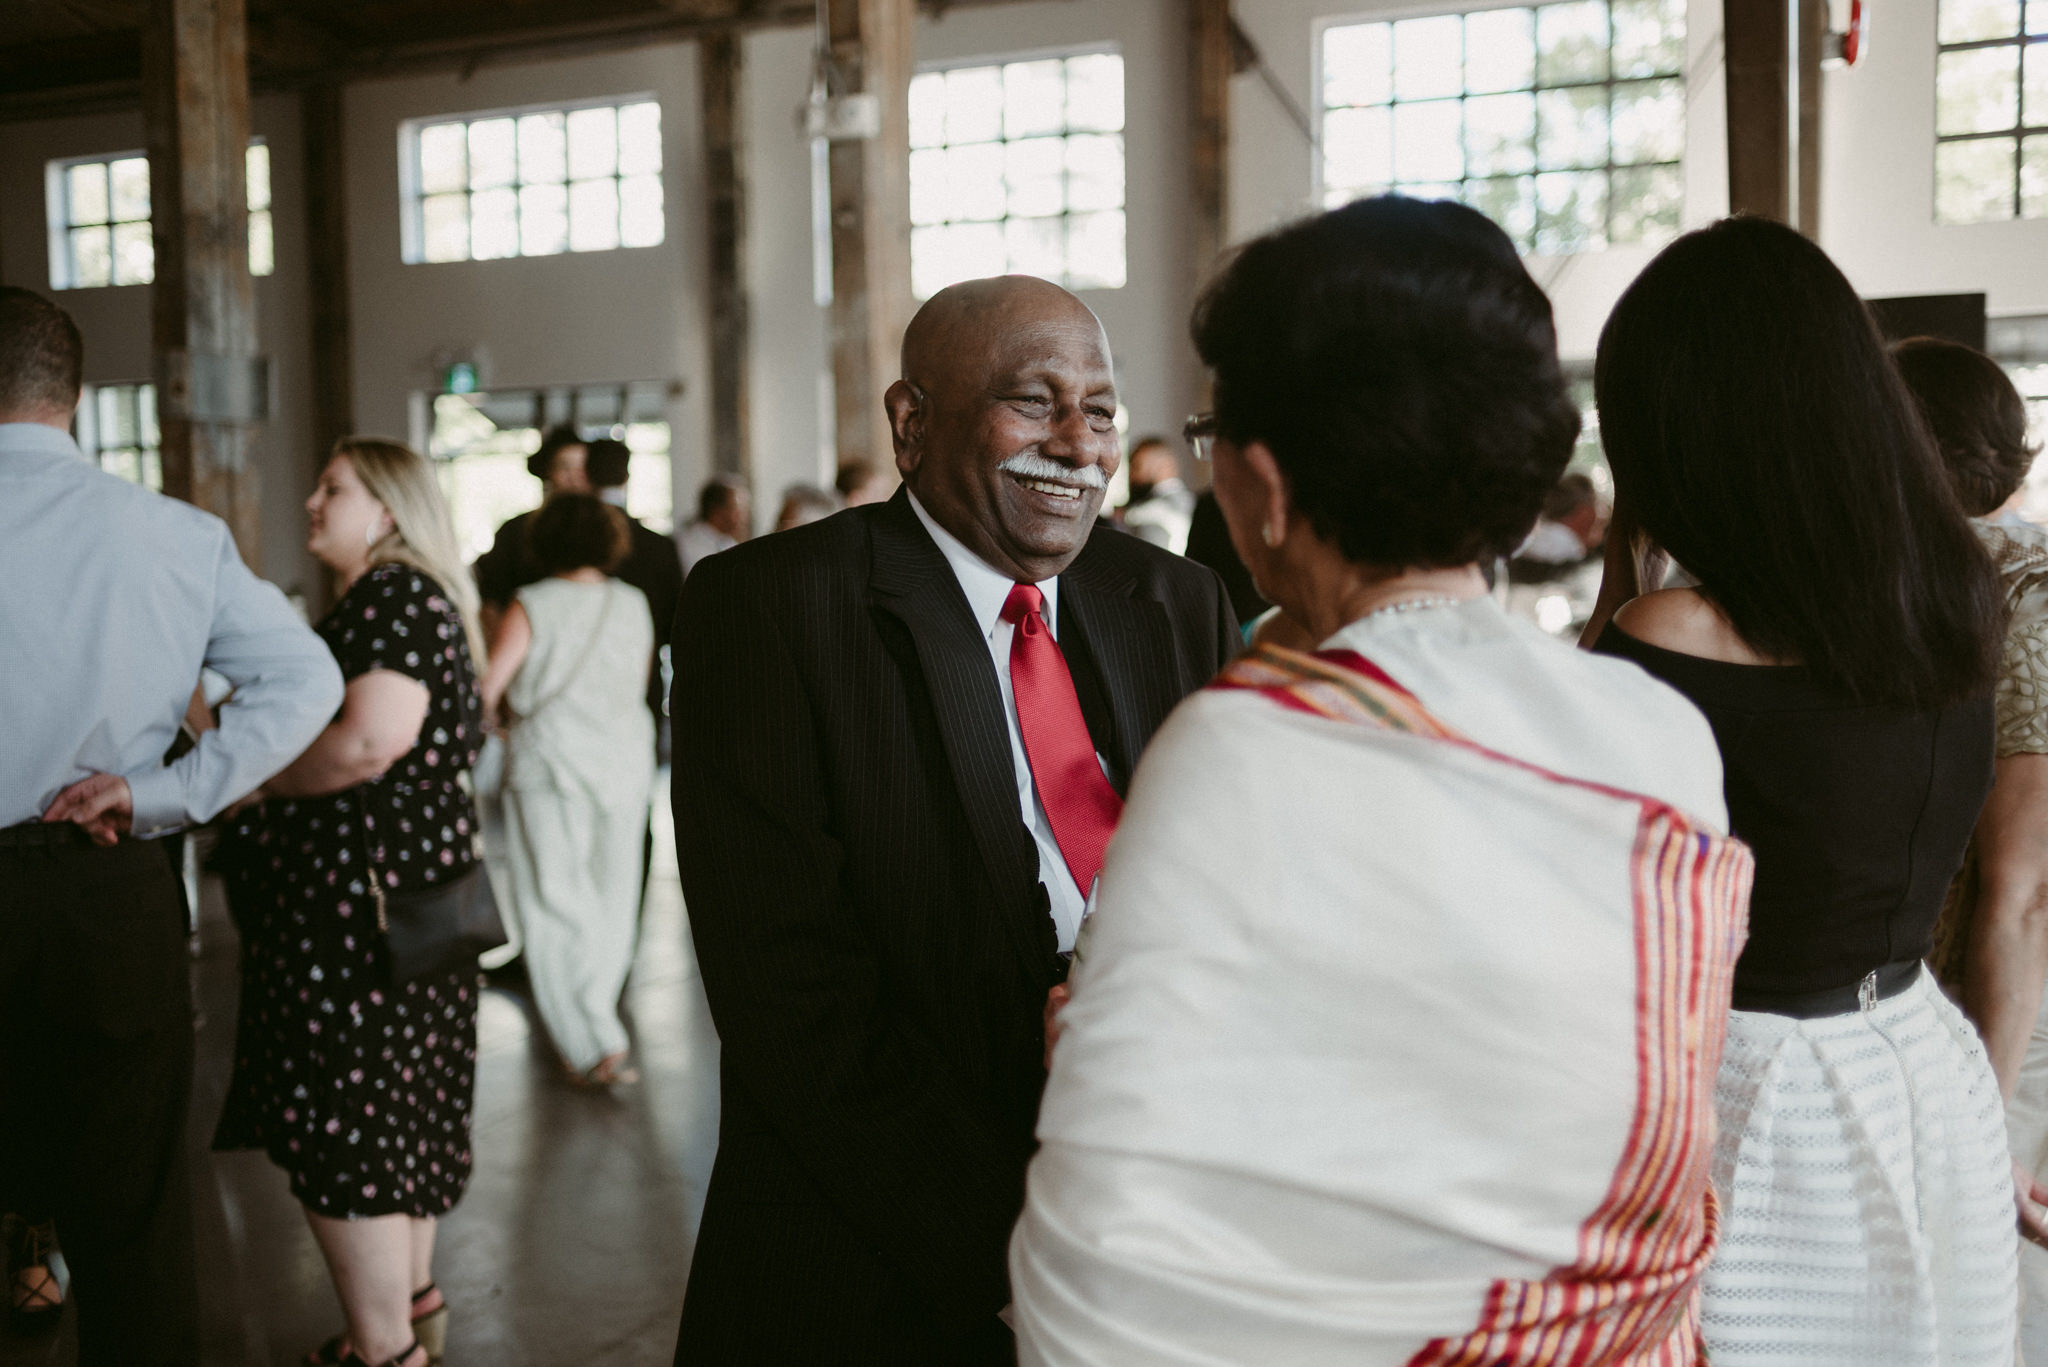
[(359, 1089)]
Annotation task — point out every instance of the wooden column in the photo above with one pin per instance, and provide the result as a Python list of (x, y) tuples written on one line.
[(320, 116), (1758, 43), (1211, 65), (211, 386), (1813, 38), (869, 52), (726, 201)]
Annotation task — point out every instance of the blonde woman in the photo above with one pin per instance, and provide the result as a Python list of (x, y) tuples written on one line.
[(357, 1085)]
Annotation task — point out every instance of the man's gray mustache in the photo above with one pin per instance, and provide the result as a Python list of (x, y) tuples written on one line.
[(1027, 466)]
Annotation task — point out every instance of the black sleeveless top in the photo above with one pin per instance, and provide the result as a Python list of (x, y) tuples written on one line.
[(1858, 814)]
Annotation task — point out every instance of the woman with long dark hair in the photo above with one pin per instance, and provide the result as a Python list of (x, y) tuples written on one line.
[(1842, 640)]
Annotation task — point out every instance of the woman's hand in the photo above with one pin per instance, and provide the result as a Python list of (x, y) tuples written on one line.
[(1633, 564), (1055, 1002), (2032, 1200)]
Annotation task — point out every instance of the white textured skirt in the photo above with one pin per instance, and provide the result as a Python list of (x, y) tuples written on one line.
[(1866, 1195)]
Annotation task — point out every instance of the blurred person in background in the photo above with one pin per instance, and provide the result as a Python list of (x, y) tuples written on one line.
[(725, 517), (802, 504), (116, 599), (1571, 526), (567, 670), (562, 466), (358, 1085), (1209, 544), (1161, 507), (1991, 946), (858, 482)]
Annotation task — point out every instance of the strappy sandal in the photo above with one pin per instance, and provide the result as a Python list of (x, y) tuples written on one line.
[(404, 1359), (30, 1248), (429, 1329)]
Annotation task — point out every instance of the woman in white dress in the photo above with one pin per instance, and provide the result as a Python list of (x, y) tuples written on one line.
[(568, 677), (1393, 1037)]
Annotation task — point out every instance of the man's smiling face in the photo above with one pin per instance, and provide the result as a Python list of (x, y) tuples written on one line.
[(1006, 421)]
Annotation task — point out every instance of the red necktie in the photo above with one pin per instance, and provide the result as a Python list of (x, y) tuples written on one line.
[(1078, 800)]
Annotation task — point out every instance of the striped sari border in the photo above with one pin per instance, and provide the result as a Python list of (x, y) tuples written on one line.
[(1631, 1295)]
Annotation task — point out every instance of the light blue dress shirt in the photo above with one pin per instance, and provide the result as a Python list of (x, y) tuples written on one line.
[(987, 589), (112, 598)]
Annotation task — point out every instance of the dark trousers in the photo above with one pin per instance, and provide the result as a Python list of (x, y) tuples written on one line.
[(95, 1075)]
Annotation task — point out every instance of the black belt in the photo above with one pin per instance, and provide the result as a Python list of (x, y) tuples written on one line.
[(1875, 986), (31, 835)]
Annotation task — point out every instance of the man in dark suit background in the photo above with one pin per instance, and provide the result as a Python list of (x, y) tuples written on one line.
[(561, 465), (891, 794)]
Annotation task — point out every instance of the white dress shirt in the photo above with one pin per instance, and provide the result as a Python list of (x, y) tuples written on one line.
[(987, 589), (112, 599), (698, 540)]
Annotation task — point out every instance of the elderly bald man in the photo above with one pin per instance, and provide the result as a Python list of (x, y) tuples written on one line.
[(900, 748)]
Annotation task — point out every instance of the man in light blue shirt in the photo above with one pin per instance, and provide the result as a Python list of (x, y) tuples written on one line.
[(112, 598)]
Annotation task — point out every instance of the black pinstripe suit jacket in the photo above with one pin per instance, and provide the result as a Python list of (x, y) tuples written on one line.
[(874, 940)]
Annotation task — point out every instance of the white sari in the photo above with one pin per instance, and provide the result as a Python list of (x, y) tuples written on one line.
[(1394, 1038)]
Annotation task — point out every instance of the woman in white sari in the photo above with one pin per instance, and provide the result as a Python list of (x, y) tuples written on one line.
[(1393, 1038)]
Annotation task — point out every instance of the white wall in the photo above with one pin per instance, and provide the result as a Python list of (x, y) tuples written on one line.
[(115, 320), (1877, 182), (789, 360), (577, 318)]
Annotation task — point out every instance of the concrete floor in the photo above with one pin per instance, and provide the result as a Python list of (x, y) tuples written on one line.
[(573, 1242)]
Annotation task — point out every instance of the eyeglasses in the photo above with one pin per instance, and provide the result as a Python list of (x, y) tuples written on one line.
[(1201, 433)]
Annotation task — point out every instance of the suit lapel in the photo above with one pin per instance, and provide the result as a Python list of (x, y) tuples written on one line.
[(1132, 645), (912, 581)]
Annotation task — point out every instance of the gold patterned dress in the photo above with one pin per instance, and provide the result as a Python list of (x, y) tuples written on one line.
[(2020, 551)]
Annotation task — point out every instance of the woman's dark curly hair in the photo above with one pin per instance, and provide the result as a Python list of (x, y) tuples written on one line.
[(1978, 419), (1401, 366), (578, 531)]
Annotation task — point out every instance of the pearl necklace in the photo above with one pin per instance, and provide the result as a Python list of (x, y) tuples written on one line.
[(1438, 600)]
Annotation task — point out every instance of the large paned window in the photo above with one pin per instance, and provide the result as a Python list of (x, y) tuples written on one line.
[(116, 426), (1564, 123), (1018, 168), (99, 220), (480, 444), (1991, 111), (534, 182)]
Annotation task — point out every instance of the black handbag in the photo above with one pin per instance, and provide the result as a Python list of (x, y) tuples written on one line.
[(439, 929)]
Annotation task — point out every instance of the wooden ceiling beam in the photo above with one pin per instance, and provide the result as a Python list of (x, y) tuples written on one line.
[(101, 72)]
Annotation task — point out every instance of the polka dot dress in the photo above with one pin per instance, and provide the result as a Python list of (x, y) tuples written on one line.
[(358, 1088)]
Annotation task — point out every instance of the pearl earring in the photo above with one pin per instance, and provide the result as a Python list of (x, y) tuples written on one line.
[(1268, 535), (372, 534)]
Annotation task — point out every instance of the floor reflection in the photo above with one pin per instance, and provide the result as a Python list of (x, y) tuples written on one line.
[(573, 1242)]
